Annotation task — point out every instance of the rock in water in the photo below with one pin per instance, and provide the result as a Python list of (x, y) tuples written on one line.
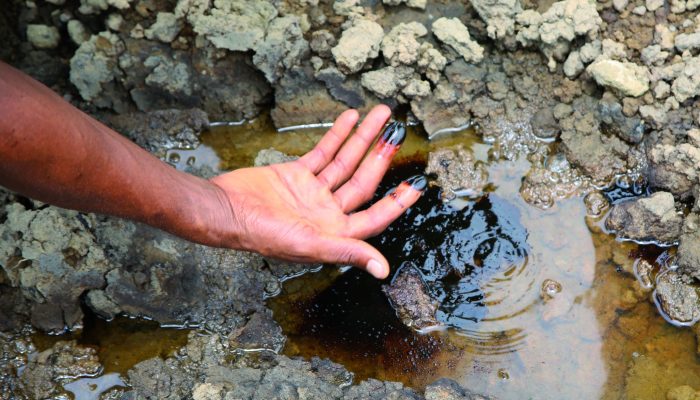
[(409, 297), (458, 173), (652, 218)]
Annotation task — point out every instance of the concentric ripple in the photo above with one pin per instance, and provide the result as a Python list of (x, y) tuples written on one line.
[(474, 261)]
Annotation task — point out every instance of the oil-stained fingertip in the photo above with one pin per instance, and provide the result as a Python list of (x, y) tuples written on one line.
[(417, 182)]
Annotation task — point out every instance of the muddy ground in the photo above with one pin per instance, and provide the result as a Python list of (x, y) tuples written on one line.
[(614, 84)]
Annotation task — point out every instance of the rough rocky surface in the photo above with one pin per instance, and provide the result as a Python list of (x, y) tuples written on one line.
[(458, 173), (678, 298), (409, 297), (654, 218), (357, 45), (455, 36), (613, 86), (160, 131)]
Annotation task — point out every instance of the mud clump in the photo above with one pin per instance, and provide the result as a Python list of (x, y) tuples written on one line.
[(458, 173), (410, 299)]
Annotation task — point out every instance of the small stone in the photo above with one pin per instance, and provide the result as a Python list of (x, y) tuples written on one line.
[(114, 22), (357, 45), (165, 29), (77, 32), (639, 10), (688, 41), (573, 65), (137, 32), (648, 219), (590, 51), (420, 4), (664, 37), (453, 33), (43, 36), (653, 5), (630, 79), (662, 90), (620, 5)]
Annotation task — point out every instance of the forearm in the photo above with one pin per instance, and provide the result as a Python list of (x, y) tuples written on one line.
[(51, 151)]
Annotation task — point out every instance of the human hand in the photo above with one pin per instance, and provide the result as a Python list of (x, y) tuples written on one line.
[(302, 210)]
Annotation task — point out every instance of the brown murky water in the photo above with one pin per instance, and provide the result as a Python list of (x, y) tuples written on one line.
[(599, 338)]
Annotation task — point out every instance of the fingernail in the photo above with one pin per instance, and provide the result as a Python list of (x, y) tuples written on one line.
[(417, 182), (376, 268), (394, 134)]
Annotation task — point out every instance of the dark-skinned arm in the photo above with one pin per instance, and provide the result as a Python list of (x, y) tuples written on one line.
[(298, 211)]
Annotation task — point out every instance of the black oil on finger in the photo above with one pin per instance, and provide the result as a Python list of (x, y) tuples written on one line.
[(394, 135), (417, 182)]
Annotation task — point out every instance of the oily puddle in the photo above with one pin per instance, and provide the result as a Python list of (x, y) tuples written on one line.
[(598, 338), (487, 261), (120, 344)]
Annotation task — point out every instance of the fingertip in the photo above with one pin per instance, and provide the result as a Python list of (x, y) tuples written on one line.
[(377, 268), (351, 114)]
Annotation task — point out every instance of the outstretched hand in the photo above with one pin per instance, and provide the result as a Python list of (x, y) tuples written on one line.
[(302, 210)]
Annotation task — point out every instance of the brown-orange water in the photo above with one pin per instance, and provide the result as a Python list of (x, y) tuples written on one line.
[(599, 338)]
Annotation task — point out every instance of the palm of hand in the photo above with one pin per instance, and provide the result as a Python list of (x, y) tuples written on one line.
[(299, 210)]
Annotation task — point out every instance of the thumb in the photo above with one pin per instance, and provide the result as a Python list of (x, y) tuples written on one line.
[(354, 252)]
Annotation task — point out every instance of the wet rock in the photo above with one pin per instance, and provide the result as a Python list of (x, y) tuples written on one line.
[(687, 84), (357, 45), (94, 67), (260, 332), (677, 298), (683, 393), (458, 173), (343, 88), (420, 4), (544, 125), (555, 179), (301, 99), (235, 25), (52, 255), (596, 203), (598, 155), (64, 361), (628, 78), (452, 98), (166, 28), (284, 47), (613, 120), (372, 389), (271, 156), (689, 248), (400, 46), (43, 36), (499, 16), (653, 218), (160, 131), (455, 36), (156, 378), (674, 167), (447, 389), (408, 296)]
